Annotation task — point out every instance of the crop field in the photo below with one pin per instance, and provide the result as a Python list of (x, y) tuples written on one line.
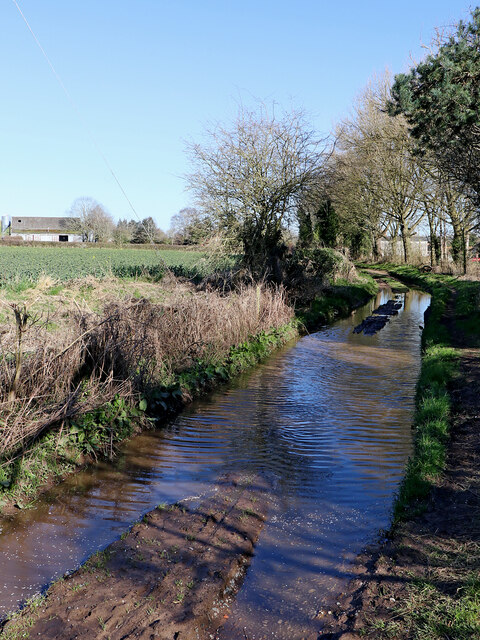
[(68, 263)]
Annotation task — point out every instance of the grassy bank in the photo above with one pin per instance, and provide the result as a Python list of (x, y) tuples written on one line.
[(96, 434), (77, 380), (432, 412), (337, 301), (432, 580), (100, 359)]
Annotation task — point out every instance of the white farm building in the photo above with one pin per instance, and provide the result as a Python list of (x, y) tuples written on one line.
[(42, 229)]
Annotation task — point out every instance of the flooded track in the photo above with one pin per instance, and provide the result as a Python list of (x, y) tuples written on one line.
[(328, 421)]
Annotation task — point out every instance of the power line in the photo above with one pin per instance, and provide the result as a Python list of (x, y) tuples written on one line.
[(84, 123)]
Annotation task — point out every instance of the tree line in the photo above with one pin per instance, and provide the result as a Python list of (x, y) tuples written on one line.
[(92, 220), (405, 163)]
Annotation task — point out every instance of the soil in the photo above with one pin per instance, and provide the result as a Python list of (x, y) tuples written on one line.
[(172, 576), (441, 546)]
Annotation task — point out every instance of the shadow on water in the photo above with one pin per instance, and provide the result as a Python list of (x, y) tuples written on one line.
[(328, 420)]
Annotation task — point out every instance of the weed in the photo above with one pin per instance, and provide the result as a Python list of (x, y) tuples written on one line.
[(434, 615), (98, 561), (20, 623), (77, 587)]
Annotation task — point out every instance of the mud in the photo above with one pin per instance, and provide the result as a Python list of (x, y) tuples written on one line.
[(172, 576)]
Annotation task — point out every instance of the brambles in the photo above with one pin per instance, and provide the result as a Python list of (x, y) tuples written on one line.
[(82, 388)]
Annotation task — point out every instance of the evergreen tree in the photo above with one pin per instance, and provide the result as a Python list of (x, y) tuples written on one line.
[(440, 98), (325, 230)]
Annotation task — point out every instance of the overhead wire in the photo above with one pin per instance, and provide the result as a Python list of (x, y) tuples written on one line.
[(86, 127)]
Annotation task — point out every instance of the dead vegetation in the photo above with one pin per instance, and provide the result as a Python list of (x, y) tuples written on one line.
[(65, 354)]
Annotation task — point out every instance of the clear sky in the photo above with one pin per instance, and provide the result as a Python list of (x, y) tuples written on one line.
[(149, 74)]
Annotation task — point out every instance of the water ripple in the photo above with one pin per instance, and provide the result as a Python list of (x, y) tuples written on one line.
[(327, 419)]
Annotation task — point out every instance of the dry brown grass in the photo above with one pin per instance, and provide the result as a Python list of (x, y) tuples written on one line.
[(125, 347), (148, 342)]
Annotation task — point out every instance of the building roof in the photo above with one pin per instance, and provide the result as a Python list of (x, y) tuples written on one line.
[(38, 224)]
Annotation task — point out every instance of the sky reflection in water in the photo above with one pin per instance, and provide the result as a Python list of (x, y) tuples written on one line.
[(328, 420)]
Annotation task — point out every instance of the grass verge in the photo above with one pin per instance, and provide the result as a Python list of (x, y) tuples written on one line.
[(442, 591), (431, 424), (432, 410), (337, 301)]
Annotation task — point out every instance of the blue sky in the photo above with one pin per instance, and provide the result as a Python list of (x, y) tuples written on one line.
[(149, 74)]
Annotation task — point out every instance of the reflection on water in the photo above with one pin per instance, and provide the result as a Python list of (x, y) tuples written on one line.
[(328, 420)]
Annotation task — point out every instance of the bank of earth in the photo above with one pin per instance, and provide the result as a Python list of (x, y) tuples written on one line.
[(423, 581), (171, 577), (48, 459)]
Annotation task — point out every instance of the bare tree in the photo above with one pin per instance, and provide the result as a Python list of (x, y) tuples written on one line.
[(250, 179), (93, 220), (378, 167), (191, 226)]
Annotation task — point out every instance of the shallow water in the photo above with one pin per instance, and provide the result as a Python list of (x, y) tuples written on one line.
[(328, 420)]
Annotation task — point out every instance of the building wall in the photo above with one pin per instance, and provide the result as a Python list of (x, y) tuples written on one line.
[(49, 237), (393, 249)]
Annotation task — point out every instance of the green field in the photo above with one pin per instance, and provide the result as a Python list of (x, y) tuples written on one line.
[(67, 263)]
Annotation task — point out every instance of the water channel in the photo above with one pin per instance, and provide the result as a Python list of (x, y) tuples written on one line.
[(328, 419)]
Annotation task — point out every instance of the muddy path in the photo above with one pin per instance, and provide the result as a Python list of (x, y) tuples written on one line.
[(172, 576), (405, 581)]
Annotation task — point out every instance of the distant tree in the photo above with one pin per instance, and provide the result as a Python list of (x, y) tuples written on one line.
[(191, 226), (93, 220), (250, 179), (123, 232), (440, 98), (146, 232)]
